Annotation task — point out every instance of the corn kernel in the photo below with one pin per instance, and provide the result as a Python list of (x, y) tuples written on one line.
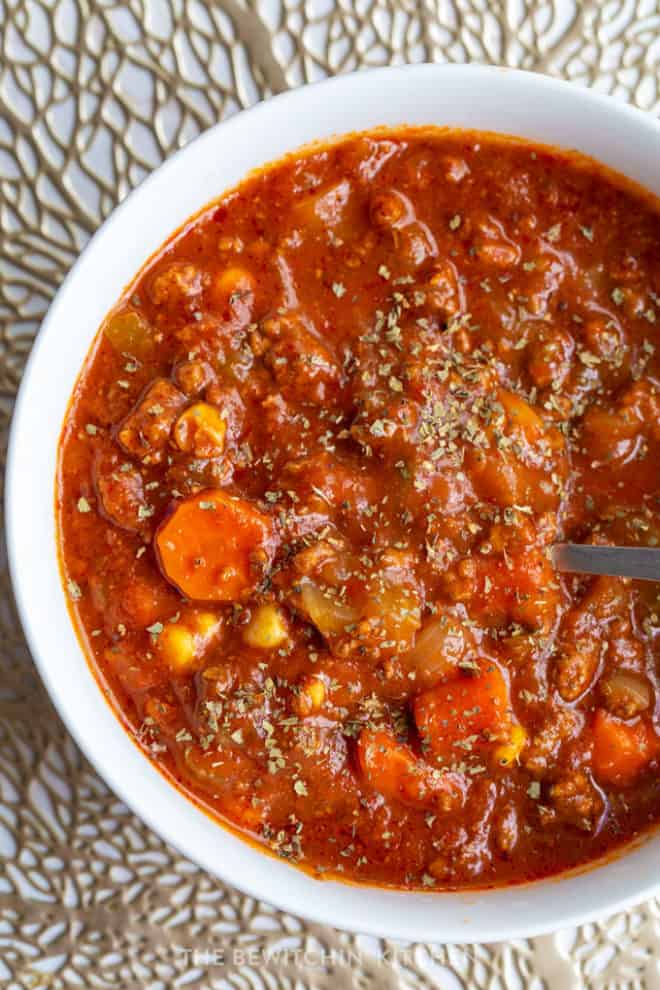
[(509, 752), (177, 646), (310, 697), (200, 430), (266, 629)]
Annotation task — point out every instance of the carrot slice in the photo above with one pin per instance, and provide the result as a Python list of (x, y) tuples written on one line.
[(392, 768), (621, 749), (214, 547), (467, 710)]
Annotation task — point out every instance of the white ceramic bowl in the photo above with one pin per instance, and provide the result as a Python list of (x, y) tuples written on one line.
[(533, 106)]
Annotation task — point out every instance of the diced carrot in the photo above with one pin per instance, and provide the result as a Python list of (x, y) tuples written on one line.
[(520, 417), (470, 709), (392, 768), (621, 749), (214, 547), (389, 766)]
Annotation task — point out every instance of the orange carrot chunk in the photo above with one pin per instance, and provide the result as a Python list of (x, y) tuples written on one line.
[(621, 749), (214, 547), (391, 767), (466, 711)]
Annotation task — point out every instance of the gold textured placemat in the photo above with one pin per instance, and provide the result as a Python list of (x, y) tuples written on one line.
[(93, 95)]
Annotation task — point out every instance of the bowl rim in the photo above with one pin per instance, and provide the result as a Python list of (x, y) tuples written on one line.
[(345, 911)]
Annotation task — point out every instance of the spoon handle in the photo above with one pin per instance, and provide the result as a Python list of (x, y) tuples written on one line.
[(642, 563)]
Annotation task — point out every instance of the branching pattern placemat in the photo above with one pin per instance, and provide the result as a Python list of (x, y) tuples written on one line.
[(93, 95)]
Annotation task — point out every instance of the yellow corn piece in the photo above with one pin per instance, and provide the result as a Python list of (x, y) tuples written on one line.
[(310, 697), (266, 629), (508, 753), (177, 647), (182, 643), (200, 430)]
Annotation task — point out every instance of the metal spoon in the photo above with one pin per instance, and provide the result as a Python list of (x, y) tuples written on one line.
[(642, 563)]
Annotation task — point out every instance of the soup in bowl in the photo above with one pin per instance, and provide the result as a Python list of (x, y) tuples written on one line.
[(308, 480)]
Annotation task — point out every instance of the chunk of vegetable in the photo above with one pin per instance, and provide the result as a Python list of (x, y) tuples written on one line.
[(392, 768), (520, 419), (509, 752), (330, 615), (468, 710), (176, 645), (310, 696), (200, 430), (214, 547), (621, 750), (129, 333), (183, 643), (442, 644), (626, 693), (232, 292), (522, 453), (392, 615), (267, 628), (498, 476)]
